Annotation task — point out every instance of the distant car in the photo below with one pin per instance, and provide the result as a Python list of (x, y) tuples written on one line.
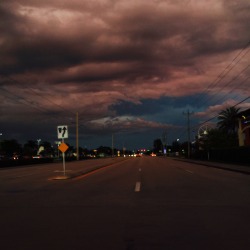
[(153, 154), (15, 157), (37, 156)]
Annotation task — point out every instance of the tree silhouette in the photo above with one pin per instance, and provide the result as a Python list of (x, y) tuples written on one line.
[(228, 121), (9, 147)]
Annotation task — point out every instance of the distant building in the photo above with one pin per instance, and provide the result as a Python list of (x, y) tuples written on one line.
[(244, 128)]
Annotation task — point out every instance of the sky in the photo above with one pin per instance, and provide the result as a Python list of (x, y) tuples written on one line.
[(134, 69)]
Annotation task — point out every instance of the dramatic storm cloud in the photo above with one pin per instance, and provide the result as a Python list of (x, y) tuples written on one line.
[(128, 67)]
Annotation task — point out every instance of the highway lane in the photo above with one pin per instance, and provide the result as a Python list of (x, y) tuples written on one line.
[(142, 203)]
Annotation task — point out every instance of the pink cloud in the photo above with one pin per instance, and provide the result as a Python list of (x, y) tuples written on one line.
[(59, 57)]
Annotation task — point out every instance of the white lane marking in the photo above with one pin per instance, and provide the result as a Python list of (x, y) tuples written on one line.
[(137, 186), (59, 171), (21, 176), (139, 169), (190, 172), (186, 170)]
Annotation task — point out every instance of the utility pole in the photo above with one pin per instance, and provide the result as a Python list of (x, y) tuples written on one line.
[(188, 129), (164, 143), (77, 139), (112, 145)]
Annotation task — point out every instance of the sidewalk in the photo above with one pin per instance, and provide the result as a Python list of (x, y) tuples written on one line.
[(226, 166)]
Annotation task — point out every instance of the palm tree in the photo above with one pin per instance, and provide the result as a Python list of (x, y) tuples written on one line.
[(228, 121)]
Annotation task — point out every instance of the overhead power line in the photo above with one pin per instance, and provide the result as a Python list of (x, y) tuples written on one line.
[(222, 75), (210, 119), (220, 90), (41, 96), (20, 99)]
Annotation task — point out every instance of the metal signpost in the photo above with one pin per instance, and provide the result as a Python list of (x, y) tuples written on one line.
[(62, 133)]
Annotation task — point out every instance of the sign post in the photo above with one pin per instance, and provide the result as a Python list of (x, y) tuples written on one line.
[(62, 133)]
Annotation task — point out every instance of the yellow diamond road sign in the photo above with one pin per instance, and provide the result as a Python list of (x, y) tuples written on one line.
[(63, 147)]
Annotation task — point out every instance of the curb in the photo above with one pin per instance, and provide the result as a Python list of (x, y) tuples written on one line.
[(213, 165), (82, 173)]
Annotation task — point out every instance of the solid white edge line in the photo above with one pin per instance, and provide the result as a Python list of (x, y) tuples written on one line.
[(137, 186)]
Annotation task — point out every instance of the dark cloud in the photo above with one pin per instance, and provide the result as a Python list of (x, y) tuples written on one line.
[(128, 63)]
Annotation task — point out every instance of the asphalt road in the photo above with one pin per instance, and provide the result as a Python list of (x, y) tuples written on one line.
[(146, 203)]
